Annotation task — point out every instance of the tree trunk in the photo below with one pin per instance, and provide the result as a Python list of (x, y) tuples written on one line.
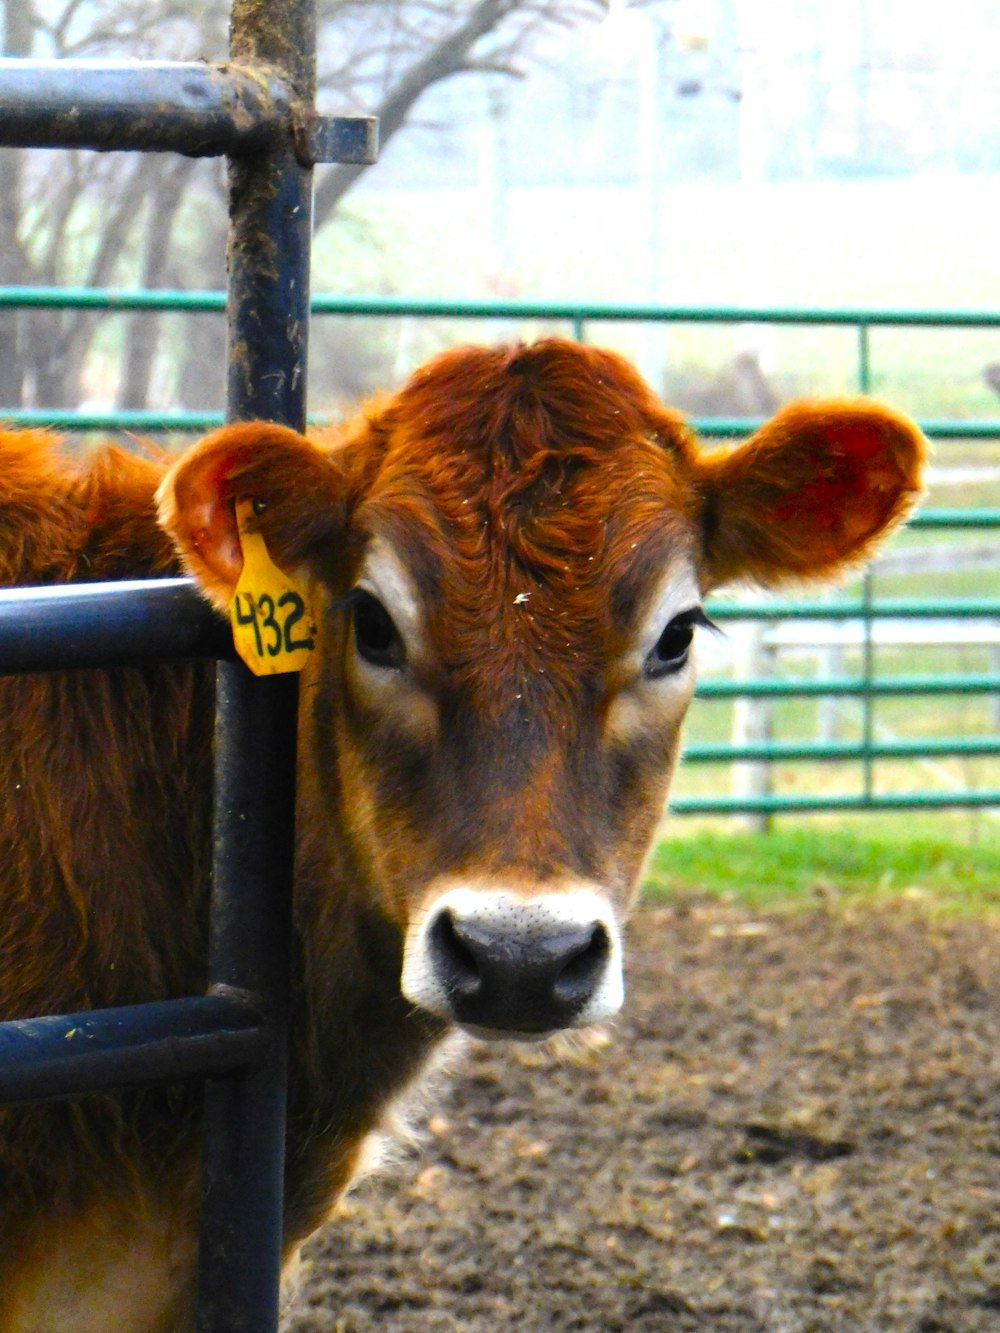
[(19, 30), (143, 331), (58, 342), (202, 381), (11, 273)]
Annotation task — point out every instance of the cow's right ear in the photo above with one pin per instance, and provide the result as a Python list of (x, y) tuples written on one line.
[(810, 494), (297, 491)]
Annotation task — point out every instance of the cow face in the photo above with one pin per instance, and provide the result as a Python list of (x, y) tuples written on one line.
[(511, 557)]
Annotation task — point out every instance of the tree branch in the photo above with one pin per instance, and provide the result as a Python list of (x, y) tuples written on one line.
[(447, 57)]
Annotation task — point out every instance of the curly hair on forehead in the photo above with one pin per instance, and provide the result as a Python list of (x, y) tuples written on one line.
[(516, 404), (533, 441)]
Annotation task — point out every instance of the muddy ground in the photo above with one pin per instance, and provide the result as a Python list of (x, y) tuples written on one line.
[(795, 1126)]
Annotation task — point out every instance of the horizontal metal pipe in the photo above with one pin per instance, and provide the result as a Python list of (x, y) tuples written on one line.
[(780, 752), (68, 1054), (382, 306), (732, 428), (955, 518), (143, 421), (97, 624), (668, 314), (111, 298), (914, 800), (783, 751), (986, 683), (884, 608), (193, 108)]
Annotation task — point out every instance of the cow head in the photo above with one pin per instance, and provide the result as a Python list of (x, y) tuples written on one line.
[(511, 557)]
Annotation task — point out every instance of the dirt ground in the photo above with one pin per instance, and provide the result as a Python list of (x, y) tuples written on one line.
[(795, 1126)]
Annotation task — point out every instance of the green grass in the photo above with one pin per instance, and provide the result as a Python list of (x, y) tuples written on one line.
[(799, 866)]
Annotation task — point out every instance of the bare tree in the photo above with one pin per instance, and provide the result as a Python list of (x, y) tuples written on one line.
[(18, 32), (423, 44), (87, 219)]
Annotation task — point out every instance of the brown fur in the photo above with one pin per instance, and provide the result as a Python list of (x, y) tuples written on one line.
[(536, 494)]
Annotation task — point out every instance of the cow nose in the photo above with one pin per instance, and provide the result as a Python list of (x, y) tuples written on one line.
[(511, 980), (504, 961)]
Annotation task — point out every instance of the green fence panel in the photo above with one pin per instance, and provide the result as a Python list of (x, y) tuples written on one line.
[(975, 620)]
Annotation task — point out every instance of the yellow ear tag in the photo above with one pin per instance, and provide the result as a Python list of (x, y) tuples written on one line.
[(274, 629)]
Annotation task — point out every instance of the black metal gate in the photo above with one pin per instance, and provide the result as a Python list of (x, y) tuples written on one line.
[(257, 110)]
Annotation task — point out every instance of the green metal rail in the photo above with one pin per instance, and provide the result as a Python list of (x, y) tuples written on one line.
[(868, 685), (854, 687), (183, 423), (104, 298)]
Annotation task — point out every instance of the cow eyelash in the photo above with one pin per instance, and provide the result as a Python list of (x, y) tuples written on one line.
[(375, 636), (670, 652)]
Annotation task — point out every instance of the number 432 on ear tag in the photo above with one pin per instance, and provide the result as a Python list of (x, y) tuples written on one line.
[(273, 626)]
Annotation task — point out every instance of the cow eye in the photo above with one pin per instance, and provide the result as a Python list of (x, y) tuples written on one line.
[(375, 636), (671, 650)]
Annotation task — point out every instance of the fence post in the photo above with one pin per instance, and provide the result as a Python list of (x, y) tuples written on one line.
[(868, 681), (830, 664), (752, 722), (268, 321)]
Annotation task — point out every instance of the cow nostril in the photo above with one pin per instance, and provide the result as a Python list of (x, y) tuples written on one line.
[(526, 971), (582, 969), (455, 961)]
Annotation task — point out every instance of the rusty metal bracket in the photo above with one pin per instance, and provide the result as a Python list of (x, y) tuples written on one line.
[(347, 139)]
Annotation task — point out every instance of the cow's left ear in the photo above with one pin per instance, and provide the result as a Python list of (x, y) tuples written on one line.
[(297, 489), (809, 494)]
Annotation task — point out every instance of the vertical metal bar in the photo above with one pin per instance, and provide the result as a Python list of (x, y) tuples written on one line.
[(868, 642), (579, 332), (251, 914), (868, 680), (753, 724), (864, 359), (243, 1149), (270, 226)]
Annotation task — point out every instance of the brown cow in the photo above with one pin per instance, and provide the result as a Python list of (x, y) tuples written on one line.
[(508, 560)]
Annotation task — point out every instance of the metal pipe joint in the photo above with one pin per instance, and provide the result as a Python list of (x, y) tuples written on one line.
[(194, 108)]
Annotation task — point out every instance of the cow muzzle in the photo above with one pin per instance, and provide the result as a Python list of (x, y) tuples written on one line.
[(508, 964)]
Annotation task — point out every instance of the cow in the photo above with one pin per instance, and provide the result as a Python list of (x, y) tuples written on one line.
[(507, 562)]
